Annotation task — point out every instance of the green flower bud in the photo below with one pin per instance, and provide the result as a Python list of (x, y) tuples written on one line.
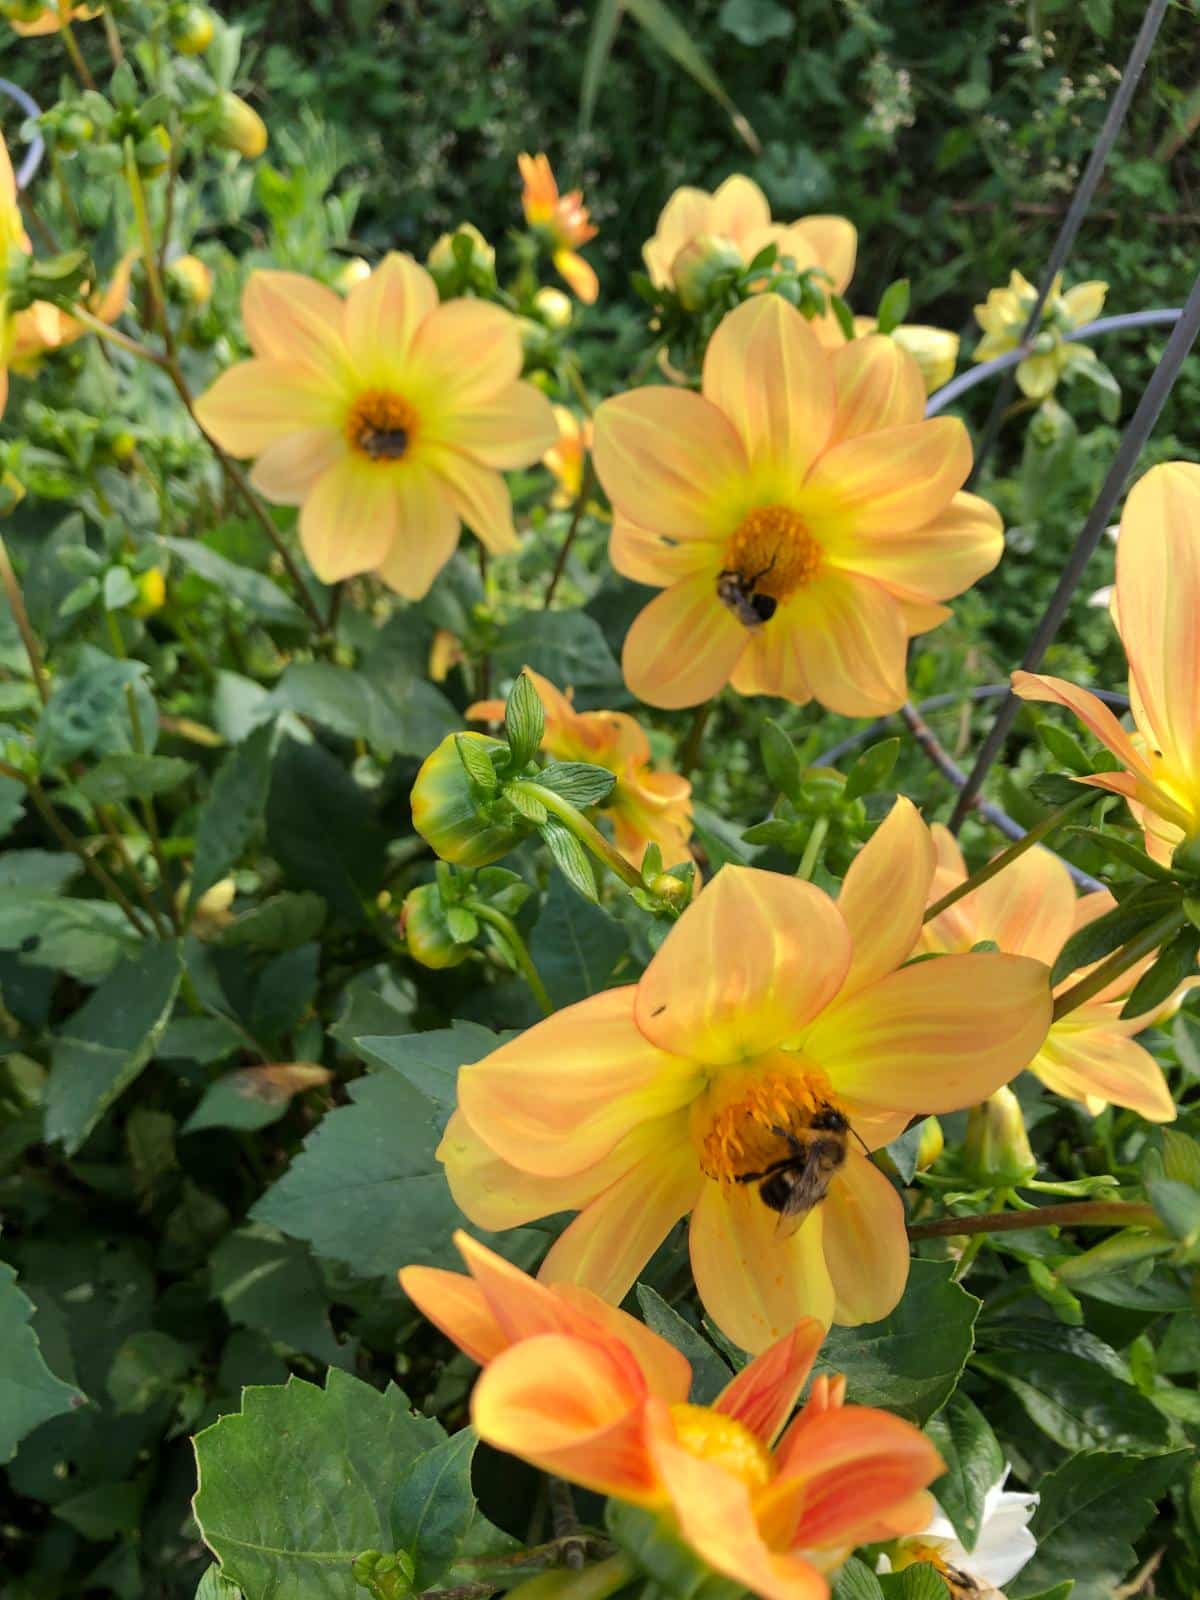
[(426, 932), (996, 1151), (464, 250), (699, 264), (192, 30), (239, 127), (451, 811), (153, 153), (554, 308)]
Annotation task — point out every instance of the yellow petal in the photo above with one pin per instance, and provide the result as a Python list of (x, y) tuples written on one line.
[(514, 429), (834, 241), (348, 521), (949, 553), (669, 461), (756, 1282), (495, 1195), (578, 275), (894, 481), (480, 497), (935, 1036), (1083, 1058), (288, 468), (466, 352), (765, 370), (259, 402), (383, 314), (773, 663), (750, 962), (648, 558), (295, 319), (683, 647), (426, 531), (866, 1246), (853, 643), (884, 895), (560, 1097), (1092, 712), (878, 385), (739, 208), (685, 215), (1085, 301), (1028, 909)]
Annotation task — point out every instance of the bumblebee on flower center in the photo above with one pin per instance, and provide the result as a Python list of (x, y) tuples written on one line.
[(769, 557), (381, 425)]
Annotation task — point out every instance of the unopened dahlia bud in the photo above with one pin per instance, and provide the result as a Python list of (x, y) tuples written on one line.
[(996, 1150), (152, 592), (239, 127), (699, 264), (193, 280), (450, 808), (933, 1142), (554, 308), (426, 931), (465, 249), (192, 30), (935, 350), (356, 270)]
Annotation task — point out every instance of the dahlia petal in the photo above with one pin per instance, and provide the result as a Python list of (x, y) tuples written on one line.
[(383, 314), (866, 1246), (457, 1308), (480, 496), (684, 216), (755, 1281), (1083, 1059), (834, 241), (853, 643), (683, 647), (1092, 712), (893, 481), (669, 460), (947, 555), (465, 353), (348, 521), (426, 533), (763, 1395), (765, 370), (1028, 908), (937, 1035), (288, 468), (667, 1373), (578, 275), (878, 385), (566, 1406), (884, 895), (752, 960), (295, 319), (259, 402), (1085, 301), (647, 558), (738, 208), (558, 1098), (773, 663), (514, 429)]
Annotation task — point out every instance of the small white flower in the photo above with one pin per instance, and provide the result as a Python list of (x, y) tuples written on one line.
[(1003, 1547)]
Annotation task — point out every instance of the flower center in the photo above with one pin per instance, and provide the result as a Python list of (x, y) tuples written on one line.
[(779, 1128), (380, 425), (769, 557), (725, 1442)]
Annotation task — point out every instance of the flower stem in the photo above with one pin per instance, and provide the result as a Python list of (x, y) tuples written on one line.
[(71, 45), (1039, 831), (517, 948), (1120, 961), (581, 500), (16, 602), (1073, 1214), (586, 832), (690, 757), (812, 848)]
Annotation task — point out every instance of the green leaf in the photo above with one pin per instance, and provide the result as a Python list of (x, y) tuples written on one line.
[(409, 719), (679, 42), (921, 1581), (755, 22), (904, 1150), (674, 1567), (322, 829), (1076, 1401), (1176, 961), (855, 1581), (1109, 932), (1065, 747), (974, 1462), (215, 1586), (233, 812), (1090, 1510), (1181, 1158), (1054, 790), (599, 49), (893, 305), (579, 782), (84, 938), (475, 759), (88, 711), (105, 1045), (30, 1394), (911, 1361), (271, 1284), (128, 776), (1178, 1204), (149, 1367), (524, 722), (568, 647), (257, 593), (1114, 845), (279, 923), (430, 1061), (433, 1507), (570, 857), (784, 772), (872, 769), (710, 1373), (300, 1481), (575, 945)]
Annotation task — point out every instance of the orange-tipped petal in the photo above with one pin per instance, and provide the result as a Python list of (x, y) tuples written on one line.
[(349, 519), (426, 533), (937, 1035), (755, 1281), (383, 314), (572, 1408), (457, 1308), (866, 1246), (895, 481), (763, 1395), (1158, 600), (295, 319), (1028, 908), (561, 1096), (669, 460), (748, 964), (766, 372), (853, 643), (667, 1373), (684, 646), (1086, 1057), (936, 561), (578, 275), (614, 1236), (884, 895), (878, 386)]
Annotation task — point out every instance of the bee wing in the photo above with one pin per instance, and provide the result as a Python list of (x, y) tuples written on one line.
[(791, 1221)]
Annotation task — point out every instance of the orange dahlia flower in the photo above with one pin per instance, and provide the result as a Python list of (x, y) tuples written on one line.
[(586, 1393), (563, 219), (567, 455), (738, 214), (1031, 909), (770, 1042), (800, 515), (51, 18), (1155, 607), (384, 416), (644, 807), (43, 327)]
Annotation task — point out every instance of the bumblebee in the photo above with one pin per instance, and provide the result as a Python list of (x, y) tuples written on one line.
[(797, 1182), (384, 444), (740, 595)]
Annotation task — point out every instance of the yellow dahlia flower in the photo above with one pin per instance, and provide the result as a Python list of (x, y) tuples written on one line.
[(564, 220), (738, 215), (567, 455), (32, 20), (1003, 317), (384, 416), (14, 242), (799, 514)]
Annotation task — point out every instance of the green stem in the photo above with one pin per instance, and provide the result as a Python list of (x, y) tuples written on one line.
[(71, 45), (1120, 961), (1110, 1255), (581, 500), (16, 603), (141, 212), (507, 929), (1077, 1214), (812, 848), (690, 756), (1006, 857), (586, 832)]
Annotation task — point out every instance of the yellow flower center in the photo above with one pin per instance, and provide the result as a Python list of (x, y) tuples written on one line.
[(769, 557), (749, 1121), (725, 1442), (910, 1552), (381, 425)]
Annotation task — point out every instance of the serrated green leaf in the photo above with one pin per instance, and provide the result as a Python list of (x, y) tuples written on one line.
[(433, 1507), (233, 812), (1109, 932), (251, 589), (710, 1373), (524, 721), (1123, 850), (129, 776), (88, 711), (784, 772), (30, 1394), (1074, 1401), (1054, 790), (571, 859), (575, 945), (974, 1463)]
